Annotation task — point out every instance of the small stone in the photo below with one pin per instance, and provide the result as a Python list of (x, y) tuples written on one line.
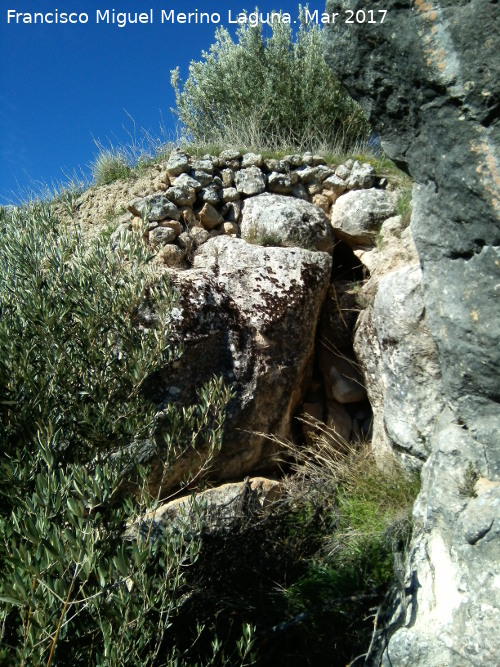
[(233, 213), (199, 235), (184, 180), (172, 256), (231, 229), (203, 177), (185, 241), (250, 181), (182, 196), (227, 177), (280, 183), (361, 176), (313, 187), (306, 174), (300, 192), (334, 185), (155, 207), (210, 195), (161, 236), (189, 218), (230, 194), (307, 158), (318, 160), (172, 224), (321, 202), (205, 165), (349, 164), (323, 172), (177, 163), (294, 160), (210, 217), (280, 166), (342, 171), (251, 160)]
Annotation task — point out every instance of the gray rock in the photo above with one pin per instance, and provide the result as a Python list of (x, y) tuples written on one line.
[(401, 368), (177, 163), (155, 208), (251, 160), (160, 236), (361, 176), (290, 221), (172, 256), (210, 195), (280, 183), (428, 81), (227, 178), (230, 194), (186, 181), (358, 215), (181, 195), (342, 172), (281, 166), (205, 165), (250, 181), (202, 177), (300, 192)]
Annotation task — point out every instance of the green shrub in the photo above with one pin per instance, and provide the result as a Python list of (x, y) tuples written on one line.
[(82, 328), (270, 92)]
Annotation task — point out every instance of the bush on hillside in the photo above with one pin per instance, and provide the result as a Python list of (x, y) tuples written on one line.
[(82, 327), (267, 92)]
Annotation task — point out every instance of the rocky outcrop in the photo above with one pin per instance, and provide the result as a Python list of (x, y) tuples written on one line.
[(427, 77), (246, 313)]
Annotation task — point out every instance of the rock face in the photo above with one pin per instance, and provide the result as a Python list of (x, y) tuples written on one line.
[(246, 312), (428, 79)]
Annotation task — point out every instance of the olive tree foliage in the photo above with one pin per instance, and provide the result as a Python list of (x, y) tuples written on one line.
[(271, 92), (82, 327)]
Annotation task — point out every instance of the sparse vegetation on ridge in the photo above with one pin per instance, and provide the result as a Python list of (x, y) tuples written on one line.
[(267, 91)]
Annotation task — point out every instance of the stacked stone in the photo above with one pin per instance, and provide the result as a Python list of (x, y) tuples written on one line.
[(203, 197)]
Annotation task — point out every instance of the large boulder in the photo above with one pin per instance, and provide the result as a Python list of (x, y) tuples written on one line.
[(428, 79), (289, 221), (401, 368), (246, 313)]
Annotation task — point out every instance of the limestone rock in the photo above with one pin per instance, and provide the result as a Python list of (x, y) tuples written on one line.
[(184, 180), (250, 181), (281, 183), (293, 221), (160, 236), (247, 313), (210, 217), (154, 207), (182, 195), (361, 176), (177, 163), (251, 160), (172, 256), (428, 81), (219, 508), (357, 216), (408, 367)]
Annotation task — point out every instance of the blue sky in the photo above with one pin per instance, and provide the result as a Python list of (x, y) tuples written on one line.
[(62, 86)]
